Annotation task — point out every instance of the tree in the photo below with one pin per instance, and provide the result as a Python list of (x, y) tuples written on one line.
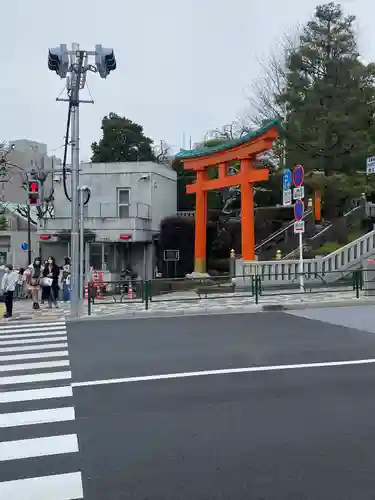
[(185, 202), (328, 96), (123, 140), (265, 90)]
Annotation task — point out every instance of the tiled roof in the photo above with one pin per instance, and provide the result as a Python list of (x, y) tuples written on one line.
[(193, 153)]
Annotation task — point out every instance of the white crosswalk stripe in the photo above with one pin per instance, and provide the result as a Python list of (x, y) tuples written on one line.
[(36, 394)]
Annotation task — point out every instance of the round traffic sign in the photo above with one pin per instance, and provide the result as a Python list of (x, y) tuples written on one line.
[(298, 175), (24, 246), (298, 210)]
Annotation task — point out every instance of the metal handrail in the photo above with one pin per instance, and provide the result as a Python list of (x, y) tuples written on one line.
[(322, 231), (280, 231)]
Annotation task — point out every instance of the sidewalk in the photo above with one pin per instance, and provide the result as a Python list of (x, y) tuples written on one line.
[(185, 303), (182, 304), (22, 310)]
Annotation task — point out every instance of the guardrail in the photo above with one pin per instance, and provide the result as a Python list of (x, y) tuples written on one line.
[(316, 240), (247, 289)]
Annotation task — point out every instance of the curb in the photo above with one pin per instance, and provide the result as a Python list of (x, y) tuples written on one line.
[(172, 314), (252, 309), (332, 303)]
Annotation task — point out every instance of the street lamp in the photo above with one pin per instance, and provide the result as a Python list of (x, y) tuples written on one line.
[(73, 64)]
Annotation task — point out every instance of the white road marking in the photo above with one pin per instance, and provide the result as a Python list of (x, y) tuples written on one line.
[(37, 377), (37, 417), (33, 347), (58, 487), (35, 355), (27, 326), (225, 371), (31, 334), (34, 341), (34, 366), (38, 447), (35, 394)]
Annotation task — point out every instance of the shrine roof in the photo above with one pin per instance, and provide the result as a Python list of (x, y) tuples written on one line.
[(194, 153)]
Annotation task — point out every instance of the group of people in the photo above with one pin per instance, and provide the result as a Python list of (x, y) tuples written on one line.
[(40, 281)]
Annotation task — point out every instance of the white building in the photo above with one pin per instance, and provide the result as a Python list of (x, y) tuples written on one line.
[(122, 219)]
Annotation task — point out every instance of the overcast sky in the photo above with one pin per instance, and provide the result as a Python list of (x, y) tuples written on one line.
[(182, 67)]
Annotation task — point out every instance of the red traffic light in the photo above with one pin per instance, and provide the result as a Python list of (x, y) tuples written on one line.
[(33, 187)]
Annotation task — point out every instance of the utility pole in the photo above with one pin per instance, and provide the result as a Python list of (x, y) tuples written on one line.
[(28, 235), (75, 63)]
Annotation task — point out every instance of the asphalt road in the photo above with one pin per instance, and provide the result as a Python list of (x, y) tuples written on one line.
[(304, 433)]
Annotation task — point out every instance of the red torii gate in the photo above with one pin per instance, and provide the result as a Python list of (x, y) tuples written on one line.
[(245, 149)]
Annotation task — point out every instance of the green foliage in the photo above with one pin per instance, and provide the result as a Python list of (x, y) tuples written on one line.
[(332, 246), (184, 177), (330, 102), (330, 123), (123, 140)]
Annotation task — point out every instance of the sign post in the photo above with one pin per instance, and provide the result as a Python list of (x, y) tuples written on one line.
[(299, 208), (370, 165), (287, 192)]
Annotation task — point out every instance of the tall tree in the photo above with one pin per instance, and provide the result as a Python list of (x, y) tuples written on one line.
[(329, 95), (123, 140), (329, 98)]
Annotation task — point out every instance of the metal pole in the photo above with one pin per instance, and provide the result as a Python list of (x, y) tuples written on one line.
[(28, 235), (301, 277), (81, 243), (76, 78), (284, 139)]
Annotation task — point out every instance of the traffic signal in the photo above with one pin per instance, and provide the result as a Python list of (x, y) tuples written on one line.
[(34, 193), (58, 60), (105, 60)]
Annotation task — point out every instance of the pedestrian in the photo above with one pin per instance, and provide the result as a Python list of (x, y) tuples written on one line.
[(8, 285), (51, 271), (35, 277), (45, 289), (19, 291), (65, 279)]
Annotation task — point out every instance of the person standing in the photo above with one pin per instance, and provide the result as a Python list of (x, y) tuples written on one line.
[(8, 285), (52, 271), (65, 279), (46, 290), (35, 277)]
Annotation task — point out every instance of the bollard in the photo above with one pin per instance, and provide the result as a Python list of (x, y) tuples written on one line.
[(278, 254), (89, 291), (232, 264), (146, 294)]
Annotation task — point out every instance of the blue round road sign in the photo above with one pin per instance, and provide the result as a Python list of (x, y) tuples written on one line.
[(298, 175), (24, 246), (298, 209)]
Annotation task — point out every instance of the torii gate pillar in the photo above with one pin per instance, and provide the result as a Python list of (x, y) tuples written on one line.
[(245, 150)]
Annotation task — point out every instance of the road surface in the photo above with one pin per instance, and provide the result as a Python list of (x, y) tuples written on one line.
[(260, 406)]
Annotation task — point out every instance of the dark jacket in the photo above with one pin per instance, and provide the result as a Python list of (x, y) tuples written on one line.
[(55, 273)]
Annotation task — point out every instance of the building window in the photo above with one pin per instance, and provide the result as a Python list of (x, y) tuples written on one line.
[(123, 203)]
